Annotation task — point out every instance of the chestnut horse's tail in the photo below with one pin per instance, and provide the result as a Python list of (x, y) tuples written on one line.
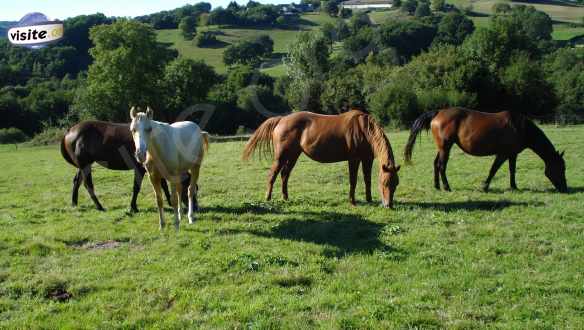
[(421, 123), (262, 138)]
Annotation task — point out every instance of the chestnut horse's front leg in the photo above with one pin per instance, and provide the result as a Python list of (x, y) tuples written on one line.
[(367, 167), (353, 172)]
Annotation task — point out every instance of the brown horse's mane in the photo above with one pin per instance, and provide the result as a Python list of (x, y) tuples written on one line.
[(379, 143)]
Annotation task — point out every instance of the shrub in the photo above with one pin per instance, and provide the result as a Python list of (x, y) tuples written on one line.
[(205, 39), (12, 135), (394, 102), (50, 135)]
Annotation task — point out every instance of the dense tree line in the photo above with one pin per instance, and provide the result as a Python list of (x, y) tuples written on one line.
[(401, 68)]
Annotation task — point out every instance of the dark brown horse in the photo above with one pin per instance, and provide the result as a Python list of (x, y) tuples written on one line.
[(108, 144), (502, 134), (352, 136)]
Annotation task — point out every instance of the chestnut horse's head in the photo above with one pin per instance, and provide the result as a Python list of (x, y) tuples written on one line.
[(388, 181), (141, 128), (555, 170)]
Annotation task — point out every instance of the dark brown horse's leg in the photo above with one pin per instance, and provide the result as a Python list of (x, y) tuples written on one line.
[(499, 160), (286, 170), (76, 184), (437, 171), (164, 187), (512, 166), (367, 166), (276, 167), (353, 172), (443, 162), (138, 177), (88, 182)]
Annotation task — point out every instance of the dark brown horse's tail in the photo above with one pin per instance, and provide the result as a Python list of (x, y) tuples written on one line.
[(64, 151), (262, 138), (421, 123)]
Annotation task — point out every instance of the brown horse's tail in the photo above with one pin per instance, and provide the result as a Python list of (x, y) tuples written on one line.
[(65, 152), (262, 138), (421, 123)]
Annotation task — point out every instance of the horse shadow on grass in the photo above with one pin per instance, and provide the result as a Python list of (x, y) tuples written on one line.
[(466, 205), (341, 233)]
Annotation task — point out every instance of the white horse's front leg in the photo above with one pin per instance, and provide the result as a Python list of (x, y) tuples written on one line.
[(193, 190), (155, 181)]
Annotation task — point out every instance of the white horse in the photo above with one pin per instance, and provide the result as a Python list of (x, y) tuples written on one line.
[(168, 151)]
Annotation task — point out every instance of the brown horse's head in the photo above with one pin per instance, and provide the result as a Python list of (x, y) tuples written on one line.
[(555, 170), (388, 181)]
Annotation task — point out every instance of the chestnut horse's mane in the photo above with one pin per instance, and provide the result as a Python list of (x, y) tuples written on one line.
[(379, 143)]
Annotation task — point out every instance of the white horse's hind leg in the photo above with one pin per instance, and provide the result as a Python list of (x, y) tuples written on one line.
[(175, 199), (193, 191), (155, 181)]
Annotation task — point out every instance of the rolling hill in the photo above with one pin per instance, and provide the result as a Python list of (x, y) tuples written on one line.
[(4, 26)]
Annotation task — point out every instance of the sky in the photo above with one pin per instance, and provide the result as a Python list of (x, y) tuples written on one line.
[(13, 10)]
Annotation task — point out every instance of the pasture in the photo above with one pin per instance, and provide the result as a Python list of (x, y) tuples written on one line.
[(464, 259)]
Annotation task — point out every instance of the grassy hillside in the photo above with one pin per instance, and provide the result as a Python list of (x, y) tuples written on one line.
[(214, 55), (464, 259), (4, 27)]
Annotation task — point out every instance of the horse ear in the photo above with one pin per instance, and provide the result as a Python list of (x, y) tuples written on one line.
[(397, 168), (133, 113), (149, 112), (562, 153), (385, 168)]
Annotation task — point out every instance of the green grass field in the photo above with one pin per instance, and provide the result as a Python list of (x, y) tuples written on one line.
[(464, 259)]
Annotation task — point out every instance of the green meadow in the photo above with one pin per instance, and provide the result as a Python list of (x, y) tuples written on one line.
[(464, 259)]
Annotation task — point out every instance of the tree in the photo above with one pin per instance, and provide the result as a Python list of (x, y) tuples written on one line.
[(453, 29), (127, 66), (438, 5), (408, 38), (205, 39), (501, 8), (221, 16), (188, 27), (358, 21), (395, 103), (565, 71), (409, 6), (307, 63), (330, 7), (187, 83), (423, 10), (249, 51)]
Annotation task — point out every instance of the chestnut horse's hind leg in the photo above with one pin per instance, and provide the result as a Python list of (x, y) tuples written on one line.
[(76, 184), (367, 166), (88, 182), (499, 160), (353, 172), (276, 167), (512, 166), (286, 170)]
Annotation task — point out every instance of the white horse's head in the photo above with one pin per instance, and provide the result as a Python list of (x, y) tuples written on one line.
[(141, 128)]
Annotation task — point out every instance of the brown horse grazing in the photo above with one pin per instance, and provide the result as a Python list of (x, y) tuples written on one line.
[(352, 136), (110, 145), (503, 134)]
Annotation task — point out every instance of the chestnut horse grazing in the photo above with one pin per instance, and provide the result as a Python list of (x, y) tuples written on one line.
[(108, 144), (169, 151), (503, 134), (353, 136)]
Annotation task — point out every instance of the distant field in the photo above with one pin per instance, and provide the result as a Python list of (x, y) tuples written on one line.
[(561, 14), (214, 55), (458, 260)]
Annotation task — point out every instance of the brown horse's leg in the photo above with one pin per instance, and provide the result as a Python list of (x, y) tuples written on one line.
[(276, 167), (512, 167), (443, 162), (437, 171), (76, 184), (353, 172), (286, 170), (499, 160), (367, 166), (88, 182), (138, 178), (164, 187)]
